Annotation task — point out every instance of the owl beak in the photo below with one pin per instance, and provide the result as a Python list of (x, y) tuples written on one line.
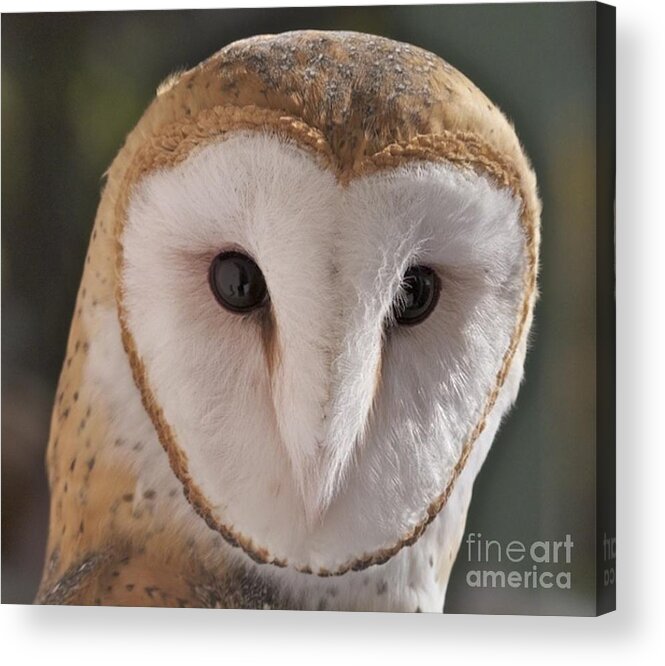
[(323, 412), (356, 376), (300, 392)]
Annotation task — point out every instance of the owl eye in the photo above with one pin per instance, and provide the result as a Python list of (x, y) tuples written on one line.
[(237, 282), (420, 294)]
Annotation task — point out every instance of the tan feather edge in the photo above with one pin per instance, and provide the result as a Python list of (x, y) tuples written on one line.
[(174, 144)]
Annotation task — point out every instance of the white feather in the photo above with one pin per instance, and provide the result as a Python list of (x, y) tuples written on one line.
[(320, 463)]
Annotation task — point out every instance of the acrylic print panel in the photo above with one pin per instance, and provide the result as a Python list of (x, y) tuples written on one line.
[(305, 365)]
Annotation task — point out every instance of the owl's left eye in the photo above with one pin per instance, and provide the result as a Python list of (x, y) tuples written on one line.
[(237, 282), (421, 287)]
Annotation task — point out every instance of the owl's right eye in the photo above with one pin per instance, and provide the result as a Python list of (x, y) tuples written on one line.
[(237, 282)]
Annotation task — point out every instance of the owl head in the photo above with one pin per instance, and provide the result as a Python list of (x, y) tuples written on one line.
[(323, 255)]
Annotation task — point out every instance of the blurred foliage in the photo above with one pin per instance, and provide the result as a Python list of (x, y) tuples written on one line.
[(74, 84)]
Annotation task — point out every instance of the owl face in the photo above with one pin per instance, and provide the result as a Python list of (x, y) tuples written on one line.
[(320, 349)]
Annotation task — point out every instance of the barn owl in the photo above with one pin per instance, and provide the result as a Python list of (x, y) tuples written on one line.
[(303, 314)]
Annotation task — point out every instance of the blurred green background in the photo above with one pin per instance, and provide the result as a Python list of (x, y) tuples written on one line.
[(74, 84)]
